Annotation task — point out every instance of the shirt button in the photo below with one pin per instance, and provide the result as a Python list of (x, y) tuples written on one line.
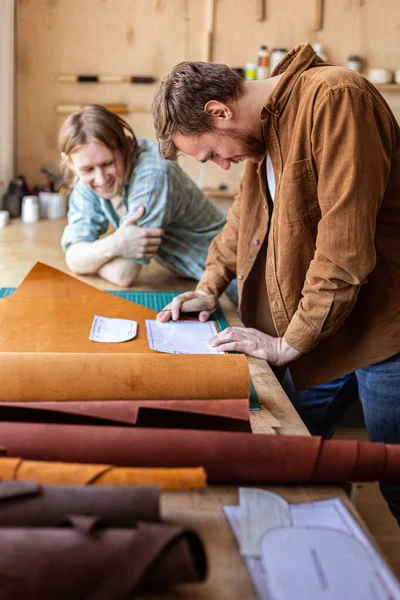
[(240, 277), (256, 242), (277, 111)]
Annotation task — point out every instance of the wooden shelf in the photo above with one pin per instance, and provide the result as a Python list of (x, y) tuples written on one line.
[(210, 192), (388, 87)]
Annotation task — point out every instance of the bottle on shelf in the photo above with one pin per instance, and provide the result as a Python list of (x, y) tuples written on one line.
[(263, 62), (276, 56), (250, 71)]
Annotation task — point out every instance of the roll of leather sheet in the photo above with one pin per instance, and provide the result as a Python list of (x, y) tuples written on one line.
[(17, 469), (51, 358), (224, 415), (40, 377), (26, 503), (226, 456), (84, 562)]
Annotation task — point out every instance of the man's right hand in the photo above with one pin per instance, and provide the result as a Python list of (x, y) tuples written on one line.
[(172, 310), (131, 241)]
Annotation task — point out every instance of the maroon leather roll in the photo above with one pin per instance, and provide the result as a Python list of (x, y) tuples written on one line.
[(26, 503), (226, 456), (86, 563), (217, 415)]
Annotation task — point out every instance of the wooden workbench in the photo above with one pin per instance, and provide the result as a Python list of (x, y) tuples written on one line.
[(23, 245)]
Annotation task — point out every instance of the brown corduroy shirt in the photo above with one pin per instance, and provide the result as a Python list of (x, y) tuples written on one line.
[(331, 265)]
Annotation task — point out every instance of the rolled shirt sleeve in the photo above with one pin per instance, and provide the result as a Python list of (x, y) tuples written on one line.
[(86, 220)]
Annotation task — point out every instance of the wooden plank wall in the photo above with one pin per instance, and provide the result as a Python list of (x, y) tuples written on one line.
[(140, 37)]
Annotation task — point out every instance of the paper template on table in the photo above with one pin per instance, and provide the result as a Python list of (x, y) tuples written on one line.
[(106, 330), (181, 337), (324, 516)]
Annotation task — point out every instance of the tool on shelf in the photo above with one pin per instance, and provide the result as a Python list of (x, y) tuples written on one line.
[(106, 78)]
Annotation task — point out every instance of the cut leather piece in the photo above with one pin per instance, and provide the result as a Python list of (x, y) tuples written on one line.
[(226, 456), (15, 469), (51, 358), (168, 414), (67, 563), (51, 505)]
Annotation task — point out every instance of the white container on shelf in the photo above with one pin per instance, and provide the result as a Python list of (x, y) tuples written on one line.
[(380, 76), (4, 218), (53, 206), (30, 209)]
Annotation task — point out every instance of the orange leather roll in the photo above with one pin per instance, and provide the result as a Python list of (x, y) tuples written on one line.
[(41, 377), (47, 355), (17, 469)]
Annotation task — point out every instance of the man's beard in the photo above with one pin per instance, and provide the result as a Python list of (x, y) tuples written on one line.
[(252, 147)]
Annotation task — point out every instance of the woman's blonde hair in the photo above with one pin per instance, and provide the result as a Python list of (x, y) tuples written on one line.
[(97, 123)]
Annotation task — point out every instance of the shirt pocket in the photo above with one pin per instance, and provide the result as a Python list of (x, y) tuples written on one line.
[(298, 197)]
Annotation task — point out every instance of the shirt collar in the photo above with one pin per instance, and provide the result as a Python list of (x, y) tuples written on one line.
[(292, 66)]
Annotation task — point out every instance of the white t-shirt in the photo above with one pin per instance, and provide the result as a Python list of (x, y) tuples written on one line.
[(270, 177)]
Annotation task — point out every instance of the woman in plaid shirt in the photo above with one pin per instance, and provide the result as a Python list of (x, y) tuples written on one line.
[(155, 208)]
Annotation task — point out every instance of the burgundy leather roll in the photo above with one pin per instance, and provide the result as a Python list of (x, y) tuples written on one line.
[(226, 456), (86, 563), (26, 503)]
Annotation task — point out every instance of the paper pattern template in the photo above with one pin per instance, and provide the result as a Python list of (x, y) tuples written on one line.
[(106, 330), (181, 337)]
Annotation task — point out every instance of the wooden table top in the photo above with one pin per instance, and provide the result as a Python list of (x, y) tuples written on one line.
[(21, 246)]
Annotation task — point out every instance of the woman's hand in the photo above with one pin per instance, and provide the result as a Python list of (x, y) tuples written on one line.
[(131, 241)]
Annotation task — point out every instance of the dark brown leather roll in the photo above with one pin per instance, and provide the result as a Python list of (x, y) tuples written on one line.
[(26, 503), (85, 562)]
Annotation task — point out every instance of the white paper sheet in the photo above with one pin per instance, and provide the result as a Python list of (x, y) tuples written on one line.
[(181, 337), (105, 329), (259, 511), (315, 563), (330, 514), (253, 563)]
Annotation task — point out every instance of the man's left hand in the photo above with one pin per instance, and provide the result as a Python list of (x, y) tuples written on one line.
[(255, 343)]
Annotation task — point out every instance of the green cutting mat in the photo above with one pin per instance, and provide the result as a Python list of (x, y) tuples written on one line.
[(157, 301)]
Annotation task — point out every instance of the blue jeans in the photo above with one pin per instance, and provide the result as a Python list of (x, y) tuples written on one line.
[(378, 388)]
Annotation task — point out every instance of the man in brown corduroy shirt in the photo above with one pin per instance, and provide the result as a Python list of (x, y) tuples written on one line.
[(313, 236)]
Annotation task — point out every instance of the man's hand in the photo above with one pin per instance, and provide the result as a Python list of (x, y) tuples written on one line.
[(172, 310), (131, 241), (255, 343)]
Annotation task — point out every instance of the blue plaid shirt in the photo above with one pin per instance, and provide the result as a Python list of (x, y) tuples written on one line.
[(172, 202)]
